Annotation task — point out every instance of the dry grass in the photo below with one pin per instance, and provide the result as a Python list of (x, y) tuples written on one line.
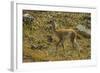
[(37, 48)]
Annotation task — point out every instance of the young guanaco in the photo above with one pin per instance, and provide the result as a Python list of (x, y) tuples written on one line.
[(63, 33)]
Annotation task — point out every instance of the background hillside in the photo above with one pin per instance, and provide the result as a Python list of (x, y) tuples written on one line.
[(39, 42)]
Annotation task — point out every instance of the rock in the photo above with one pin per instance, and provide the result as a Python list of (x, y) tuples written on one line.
[(83, 31)]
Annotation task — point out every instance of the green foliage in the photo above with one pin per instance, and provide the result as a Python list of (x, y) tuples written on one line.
[(39, 46)]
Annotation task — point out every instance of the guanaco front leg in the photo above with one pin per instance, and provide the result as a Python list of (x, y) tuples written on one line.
[(61, 41), (57, 46)]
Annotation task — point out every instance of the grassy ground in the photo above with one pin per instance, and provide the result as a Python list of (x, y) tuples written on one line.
[(37, 45)]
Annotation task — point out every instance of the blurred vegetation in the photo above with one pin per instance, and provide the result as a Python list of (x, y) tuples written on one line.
[(39, 42)]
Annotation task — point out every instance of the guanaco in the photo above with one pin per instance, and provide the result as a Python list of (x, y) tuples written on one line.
[(63, 33)]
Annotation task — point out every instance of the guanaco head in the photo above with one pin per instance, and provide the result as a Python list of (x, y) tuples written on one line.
[(52, 25)]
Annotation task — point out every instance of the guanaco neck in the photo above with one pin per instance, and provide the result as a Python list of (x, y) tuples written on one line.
[(53, 27)]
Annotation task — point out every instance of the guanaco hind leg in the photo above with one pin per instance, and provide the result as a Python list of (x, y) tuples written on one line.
[(72, 39), (75, 43)]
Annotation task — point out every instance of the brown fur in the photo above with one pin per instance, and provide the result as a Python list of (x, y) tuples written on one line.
[(63, 33)]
